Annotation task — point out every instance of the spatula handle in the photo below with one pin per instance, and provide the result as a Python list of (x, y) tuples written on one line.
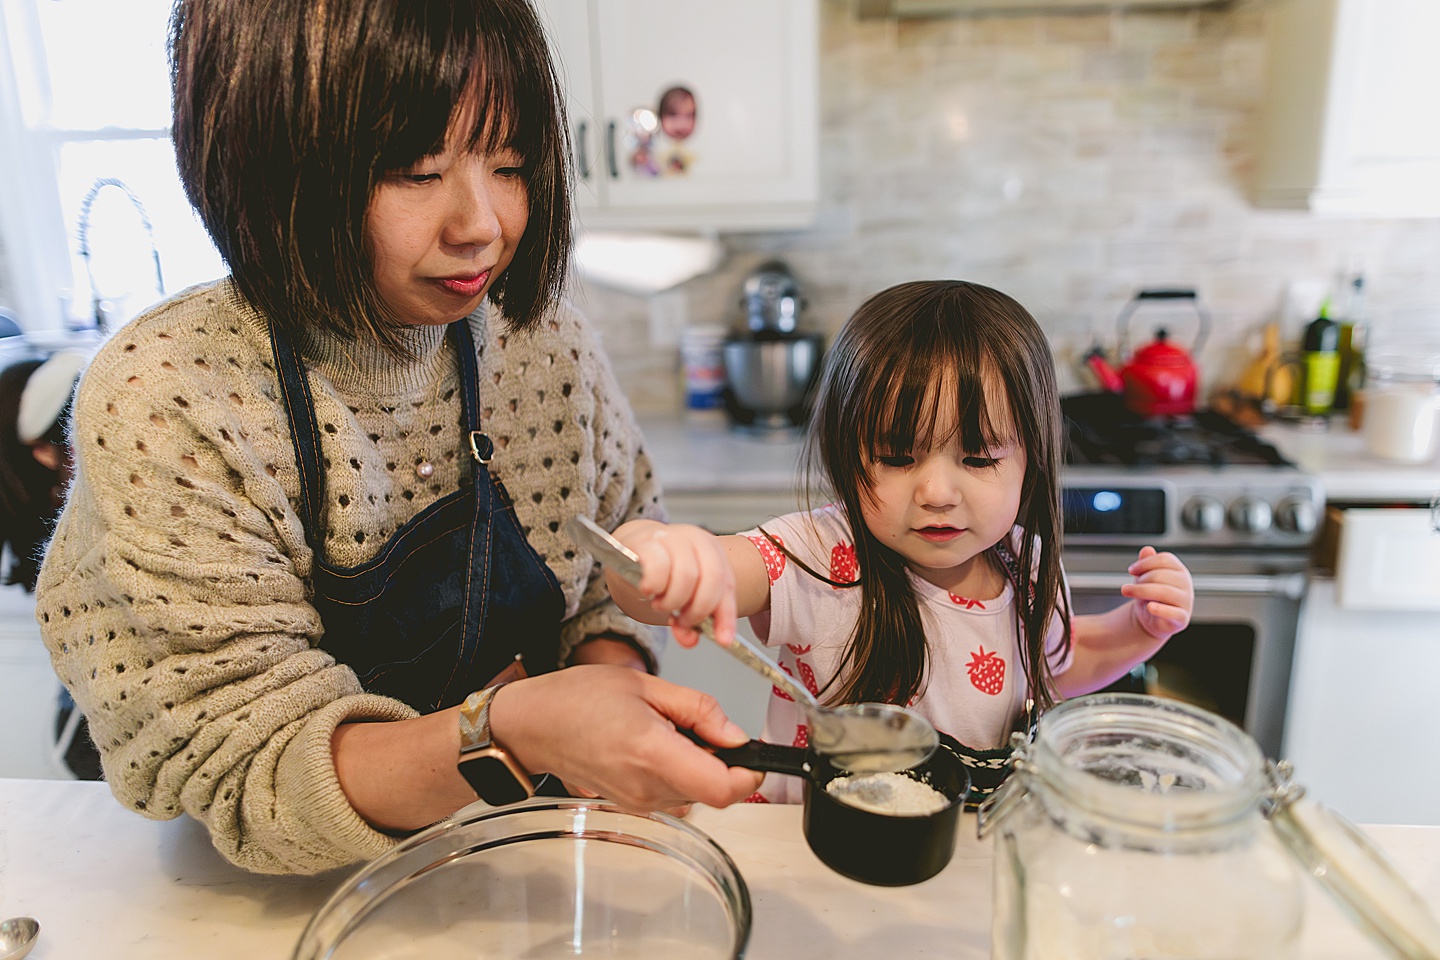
[(753, 657)]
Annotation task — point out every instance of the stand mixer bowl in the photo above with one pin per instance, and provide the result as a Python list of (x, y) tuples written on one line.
[(772, 377)]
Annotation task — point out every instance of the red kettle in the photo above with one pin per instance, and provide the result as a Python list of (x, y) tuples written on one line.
[(1161, 378)]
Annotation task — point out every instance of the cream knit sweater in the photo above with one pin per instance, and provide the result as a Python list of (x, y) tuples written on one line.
[(176, 600)]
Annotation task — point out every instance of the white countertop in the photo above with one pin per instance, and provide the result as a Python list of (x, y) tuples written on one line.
[(710, 457), (104, 882), (1347, 470)]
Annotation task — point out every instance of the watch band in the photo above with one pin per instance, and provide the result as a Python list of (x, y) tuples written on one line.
[(496, 777)]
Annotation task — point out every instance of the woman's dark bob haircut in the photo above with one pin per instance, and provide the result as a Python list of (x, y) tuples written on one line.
[(289, 113)]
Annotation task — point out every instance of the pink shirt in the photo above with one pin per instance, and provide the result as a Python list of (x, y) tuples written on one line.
[(974, 688)]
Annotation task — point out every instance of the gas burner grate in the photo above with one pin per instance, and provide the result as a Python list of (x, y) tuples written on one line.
[(1101, 431)]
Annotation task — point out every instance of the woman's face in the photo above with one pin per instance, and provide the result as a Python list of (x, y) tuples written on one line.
[(441, 232)]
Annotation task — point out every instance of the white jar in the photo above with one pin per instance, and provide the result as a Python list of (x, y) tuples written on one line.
[(1402, 407)]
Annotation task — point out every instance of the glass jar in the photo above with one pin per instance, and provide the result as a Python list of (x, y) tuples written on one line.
[(1138, 827), (1402, 407), (1132, 827)]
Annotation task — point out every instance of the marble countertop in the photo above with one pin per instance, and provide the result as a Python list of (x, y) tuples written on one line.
[(1347, 470), (104, 882), (707, 456)]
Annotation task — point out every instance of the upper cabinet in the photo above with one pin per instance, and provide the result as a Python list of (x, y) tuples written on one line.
[(1351, 124), (690, 115)]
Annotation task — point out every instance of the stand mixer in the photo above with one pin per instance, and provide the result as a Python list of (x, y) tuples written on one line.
[(771, 367)]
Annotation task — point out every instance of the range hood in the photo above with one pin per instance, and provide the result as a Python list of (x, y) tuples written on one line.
[(943, 8)]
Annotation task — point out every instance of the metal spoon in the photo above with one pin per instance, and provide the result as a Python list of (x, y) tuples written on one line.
[(17, 936), (864, 737)]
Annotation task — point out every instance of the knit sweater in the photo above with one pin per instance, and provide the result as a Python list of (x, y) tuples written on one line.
[(176, 600)]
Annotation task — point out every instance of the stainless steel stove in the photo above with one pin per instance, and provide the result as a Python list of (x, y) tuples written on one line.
[(1241, 517)]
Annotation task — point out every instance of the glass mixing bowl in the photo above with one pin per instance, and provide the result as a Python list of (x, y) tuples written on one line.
[(547, 878)]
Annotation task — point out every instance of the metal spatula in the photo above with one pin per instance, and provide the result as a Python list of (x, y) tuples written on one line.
[(860, 736)]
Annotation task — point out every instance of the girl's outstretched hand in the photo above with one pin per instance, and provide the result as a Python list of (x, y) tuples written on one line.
[(688, 577), (1162, 592)]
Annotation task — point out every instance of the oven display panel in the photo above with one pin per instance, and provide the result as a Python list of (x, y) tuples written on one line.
[(1114, 510)]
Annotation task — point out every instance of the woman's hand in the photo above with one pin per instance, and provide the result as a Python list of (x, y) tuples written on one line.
[(611, 731), (1162, 593), (688, 577)]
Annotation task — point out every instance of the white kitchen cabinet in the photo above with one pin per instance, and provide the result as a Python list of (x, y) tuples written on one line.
[(1360, 726), (1350, 126), (752, 159)]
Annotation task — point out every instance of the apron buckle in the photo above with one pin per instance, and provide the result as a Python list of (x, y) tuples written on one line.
[(481, 448)]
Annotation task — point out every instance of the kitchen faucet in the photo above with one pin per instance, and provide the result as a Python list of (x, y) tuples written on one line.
[(102, 320)]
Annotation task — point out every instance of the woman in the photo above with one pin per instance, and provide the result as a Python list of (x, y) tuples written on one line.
[(317, 522)]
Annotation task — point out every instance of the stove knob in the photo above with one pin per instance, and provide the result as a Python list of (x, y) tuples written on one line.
[(1250, 514), (1296, 514), (1203, 514)]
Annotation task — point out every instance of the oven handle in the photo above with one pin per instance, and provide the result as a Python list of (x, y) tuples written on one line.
[(1288, 585)]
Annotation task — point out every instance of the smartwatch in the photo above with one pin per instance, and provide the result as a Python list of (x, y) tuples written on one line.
[(492, 773)]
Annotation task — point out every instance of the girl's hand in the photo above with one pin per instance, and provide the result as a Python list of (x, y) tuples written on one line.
[(1162, 593), (688, 577)]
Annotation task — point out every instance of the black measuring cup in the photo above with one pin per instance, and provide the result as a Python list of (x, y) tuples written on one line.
[(890, 850)]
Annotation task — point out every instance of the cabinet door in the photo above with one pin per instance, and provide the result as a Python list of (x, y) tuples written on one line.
[(1350, 123), (569, 26), (1384, 141), (749, 68)]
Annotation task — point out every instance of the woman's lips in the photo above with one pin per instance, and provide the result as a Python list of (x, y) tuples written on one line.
[(939, 534), (466, 286)]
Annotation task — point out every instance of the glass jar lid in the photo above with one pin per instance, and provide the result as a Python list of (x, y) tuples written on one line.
[(1353, 871)]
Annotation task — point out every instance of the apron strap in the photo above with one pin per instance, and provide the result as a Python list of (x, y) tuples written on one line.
[(305, 430), (304, 433)]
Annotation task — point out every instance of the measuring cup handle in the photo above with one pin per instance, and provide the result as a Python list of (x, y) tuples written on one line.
[(759, 755), (747, 653)]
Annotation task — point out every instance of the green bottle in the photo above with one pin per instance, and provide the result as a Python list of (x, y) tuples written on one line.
[(1321, 352)]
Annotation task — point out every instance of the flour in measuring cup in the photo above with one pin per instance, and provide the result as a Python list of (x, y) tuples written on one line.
[(893, 794)]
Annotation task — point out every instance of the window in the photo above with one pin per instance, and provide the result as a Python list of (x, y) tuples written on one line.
[(91, 208)]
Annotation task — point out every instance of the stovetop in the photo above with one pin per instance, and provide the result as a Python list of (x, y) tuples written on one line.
[(1099, 431), (1195, 481)]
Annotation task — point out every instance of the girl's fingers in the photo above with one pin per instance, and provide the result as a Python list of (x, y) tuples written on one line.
[(1155, 561), (1164, 611), (1167, 593), (686, 636), (679, 590), (655, 564)]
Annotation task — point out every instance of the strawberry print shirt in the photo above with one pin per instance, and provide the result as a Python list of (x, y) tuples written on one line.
[(974, 688)]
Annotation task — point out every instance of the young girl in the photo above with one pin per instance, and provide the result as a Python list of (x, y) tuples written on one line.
[(937, 430)]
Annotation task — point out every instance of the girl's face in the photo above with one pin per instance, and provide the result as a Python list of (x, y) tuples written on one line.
[(441, 232), (941, 509)]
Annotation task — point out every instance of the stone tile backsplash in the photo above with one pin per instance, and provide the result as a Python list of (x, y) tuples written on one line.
[(1065, 159)]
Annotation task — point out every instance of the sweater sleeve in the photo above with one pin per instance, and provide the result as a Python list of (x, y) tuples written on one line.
[(175, 607)]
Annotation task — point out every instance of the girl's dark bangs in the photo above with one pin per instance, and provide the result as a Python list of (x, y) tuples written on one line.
[(903, 406)]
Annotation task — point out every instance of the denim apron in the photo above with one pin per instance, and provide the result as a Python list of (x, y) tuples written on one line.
[(457, 598)]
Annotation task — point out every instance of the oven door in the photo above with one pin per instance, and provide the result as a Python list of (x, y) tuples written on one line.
[(1234, 658)]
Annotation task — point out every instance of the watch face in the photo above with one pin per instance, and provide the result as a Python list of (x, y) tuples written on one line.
[(494, 780)]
